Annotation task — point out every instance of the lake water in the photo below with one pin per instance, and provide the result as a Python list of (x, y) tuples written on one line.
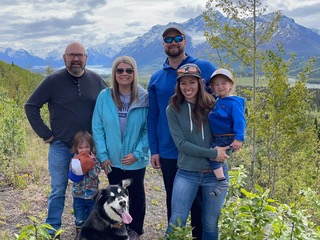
[(99, 69), (309, 85)]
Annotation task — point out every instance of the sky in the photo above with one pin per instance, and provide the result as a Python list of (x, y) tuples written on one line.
[(40, 24)]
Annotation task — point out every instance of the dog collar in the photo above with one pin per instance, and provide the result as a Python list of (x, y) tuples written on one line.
[(116, 225)]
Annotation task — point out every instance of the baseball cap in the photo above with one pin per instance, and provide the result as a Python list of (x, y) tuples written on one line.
[(189, 69), (173, 28), (80, 165), (224, 72)]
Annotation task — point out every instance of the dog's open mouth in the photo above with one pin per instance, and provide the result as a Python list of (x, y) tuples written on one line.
[(125, 215)]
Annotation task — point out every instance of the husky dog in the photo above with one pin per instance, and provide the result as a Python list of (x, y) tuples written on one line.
[(110, 214)]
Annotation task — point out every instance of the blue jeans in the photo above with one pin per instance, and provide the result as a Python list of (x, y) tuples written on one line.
[(82, 209), (169, 169), (185, 188), (59, 158)]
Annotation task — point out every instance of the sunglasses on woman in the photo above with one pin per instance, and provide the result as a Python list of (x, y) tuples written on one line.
[(177, 39), (121, 70)]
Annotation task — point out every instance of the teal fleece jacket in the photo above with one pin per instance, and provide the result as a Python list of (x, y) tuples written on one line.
[(193, 144), (107, 134)]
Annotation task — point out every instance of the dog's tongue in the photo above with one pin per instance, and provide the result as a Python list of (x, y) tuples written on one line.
[(126, 217)]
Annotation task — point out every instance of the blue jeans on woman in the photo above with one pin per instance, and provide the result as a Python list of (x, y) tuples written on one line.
[(185, 188), (59, 158), (169, 169)]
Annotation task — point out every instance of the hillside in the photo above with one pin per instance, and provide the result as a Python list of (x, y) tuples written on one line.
[(24, 176), (286, 139)]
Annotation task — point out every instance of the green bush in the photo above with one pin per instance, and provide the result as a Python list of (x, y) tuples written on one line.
[(253, 216), (180, 232), (12, 137), (37, 231)]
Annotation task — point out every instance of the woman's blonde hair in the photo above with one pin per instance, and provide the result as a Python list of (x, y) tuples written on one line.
[(114, 84)]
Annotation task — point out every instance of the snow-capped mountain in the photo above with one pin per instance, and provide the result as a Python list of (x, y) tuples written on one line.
[(21, 58), (148, 52)]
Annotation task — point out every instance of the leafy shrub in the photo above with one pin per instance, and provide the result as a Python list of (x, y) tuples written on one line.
[(12, 137), (179, 232), (37, 231), (254, 216)]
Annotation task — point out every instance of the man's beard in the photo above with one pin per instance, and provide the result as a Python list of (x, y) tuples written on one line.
[(175, 53), (76, 71)]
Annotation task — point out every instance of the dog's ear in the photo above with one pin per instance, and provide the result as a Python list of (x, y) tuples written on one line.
[(126, 182), (97, 196)]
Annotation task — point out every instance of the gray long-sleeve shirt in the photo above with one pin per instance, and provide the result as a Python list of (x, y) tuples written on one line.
[(71, 103), (193, 144)]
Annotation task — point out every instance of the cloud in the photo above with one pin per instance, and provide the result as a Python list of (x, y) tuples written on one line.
[(189, 11), (33, 24), (305, 13), (308, 10), (133, 23)]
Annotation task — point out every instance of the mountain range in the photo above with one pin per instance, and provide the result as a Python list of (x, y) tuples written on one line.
[(148, 51)]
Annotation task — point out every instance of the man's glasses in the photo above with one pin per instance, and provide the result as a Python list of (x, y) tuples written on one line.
[(74, 55), (188, 70), (121, 70), (177, 39)]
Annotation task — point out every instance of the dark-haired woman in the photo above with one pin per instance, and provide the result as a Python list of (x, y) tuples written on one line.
[(187, 115)]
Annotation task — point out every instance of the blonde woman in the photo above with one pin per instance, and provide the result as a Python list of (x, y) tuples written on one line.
[(119, 127)]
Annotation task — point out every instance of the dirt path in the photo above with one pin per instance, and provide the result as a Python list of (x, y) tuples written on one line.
[(17, 205)]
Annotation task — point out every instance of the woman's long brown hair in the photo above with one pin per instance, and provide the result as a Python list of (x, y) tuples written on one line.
[(203, 105)]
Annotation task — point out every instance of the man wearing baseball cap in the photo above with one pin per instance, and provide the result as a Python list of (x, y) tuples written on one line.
[(161, 87)]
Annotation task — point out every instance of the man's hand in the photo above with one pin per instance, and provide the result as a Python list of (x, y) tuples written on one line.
[(155, 161), (49, 140)]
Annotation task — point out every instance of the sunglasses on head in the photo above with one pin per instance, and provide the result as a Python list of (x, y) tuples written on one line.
[(177, 39), (187, 70), (121, 70)]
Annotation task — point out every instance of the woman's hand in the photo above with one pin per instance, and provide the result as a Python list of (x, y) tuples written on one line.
[(105, 164), (128, 159), (221, 153)]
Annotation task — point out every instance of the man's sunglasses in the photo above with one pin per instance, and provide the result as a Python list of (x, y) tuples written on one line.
[(177, 39), (188, 70), (121, 70)]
